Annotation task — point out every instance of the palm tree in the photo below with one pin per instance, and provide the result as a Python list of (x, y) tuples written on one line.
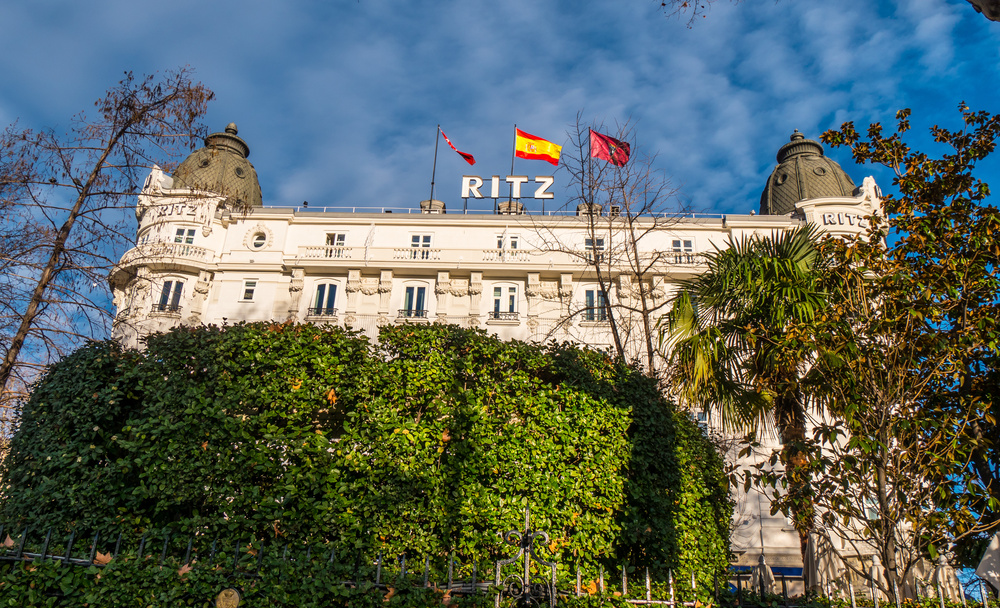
[(739, 341)]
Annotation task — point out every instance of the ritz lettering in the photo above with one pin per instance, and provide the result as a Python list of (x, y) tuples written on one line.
[(472, 183), (841, 219)]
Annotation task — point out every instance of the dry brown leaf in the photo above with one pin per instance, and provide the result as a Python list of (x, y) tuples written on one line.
[(204, 446), (7, 542), (445, 436), (392, 592), (296, 384), (591, 587), (184, 570), (446, 598), (102, 559), (331, 396)]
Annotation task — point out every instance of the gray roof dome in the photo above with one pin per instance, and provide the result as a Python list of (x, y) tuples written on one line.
[(802, 173), (222, 167)]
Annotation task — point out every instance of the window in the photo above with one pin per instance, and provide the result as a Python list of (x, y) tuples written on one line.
[(258, 240), (335, 245), (597, 305), (249, 286), (593, 248), (326, 298), (420, 242), (683, 251), (413, 303), (504, 303), (170, 297), (184, 236)]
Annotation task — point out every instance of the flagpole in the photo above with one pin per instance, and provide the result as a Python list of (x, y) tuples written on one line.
[(513, 152), (437, 138), (590, 169)]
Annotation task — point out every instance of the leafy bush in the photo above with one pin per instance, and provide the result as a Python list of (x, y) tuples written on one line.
[(429, 443)]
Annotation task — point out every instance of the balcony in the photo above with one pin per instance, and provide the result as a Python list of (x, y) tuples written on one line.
[(169, 309), (331, 252), (153, 252), (506, 255), (422, 254), (498, 315), (408, 313), (321, 312)]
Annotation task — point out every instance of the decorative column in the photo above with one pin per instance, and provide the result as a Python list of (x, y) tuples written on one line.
[(352, 288), (566, 297), (200, 294), (442, 289), (384, 293), (475, 297), (295, 292)]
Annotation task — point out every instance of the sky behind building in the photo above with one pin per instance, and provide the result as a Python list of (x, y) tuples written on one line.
[(339, 100)]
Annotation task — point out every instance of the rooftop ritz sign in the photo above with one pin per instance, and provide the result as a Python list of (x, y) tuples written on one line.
[(472, 183)]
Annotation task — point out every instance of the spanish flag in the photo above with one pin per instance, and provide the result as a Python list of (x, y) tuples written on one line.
[(528, 146)]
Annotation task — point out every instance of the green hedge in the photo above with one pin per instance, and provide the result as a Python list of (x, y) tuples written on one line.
[(428, 443)]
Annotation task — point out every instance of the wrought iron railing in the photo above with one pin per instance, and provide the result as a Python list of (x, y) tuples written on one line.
[(166, 307), (499, 315), (409, 313), (322, 312)]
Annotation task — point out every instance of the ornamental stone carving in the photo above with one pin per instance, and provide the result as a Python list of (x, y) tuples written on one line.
[(353, 281), (459, 287), (370, 285)]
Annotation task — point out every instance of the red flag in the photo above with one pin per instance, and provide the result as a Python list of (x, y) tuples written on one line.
[(468, 157), (608, 148)]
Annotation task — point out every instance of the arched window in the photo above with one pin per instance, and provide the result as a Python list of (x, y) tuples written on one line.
[(324, 302)]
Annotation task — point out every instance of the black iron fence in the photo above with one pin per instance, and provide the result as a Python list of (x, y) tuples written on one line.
[(524, 578)]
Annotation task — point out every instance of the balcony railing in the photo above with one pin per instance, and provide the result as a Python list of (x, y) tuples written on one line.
[(409, 313), (326, 251), (498, 315), (322, 312), (506, 255), (159, 251), (416, 253), (166, 307)]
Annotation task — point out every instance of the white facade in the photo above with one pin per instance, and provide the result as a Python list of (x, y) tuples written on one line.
[(529, 277)]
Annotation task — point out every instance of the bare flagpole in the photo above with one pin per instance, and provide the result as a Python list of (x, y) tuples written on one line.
[(513, 152), (437, 138)]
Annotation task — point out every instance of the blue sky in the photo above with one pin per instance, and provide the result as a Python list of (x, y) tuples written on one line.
[(339, 100)]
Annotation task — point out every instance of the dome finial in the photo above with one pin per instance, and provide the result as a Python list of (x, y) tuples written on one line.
[(796, 136), (231, 128)]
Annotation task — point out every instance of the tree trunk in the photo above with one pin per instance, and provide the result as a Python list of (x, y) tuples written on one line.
[(791, 423)]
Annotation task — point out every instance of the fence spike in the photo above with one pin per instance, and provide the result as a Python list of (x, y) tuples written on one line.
[(211, 553), (118, 545), (601, 578), (236, 554), (187, 554), (784, 588), (578, 581), (45, 545), (260, 558), (739, 590), (694, 583), (142, 545), (333, 551), (309, 553), (427, 564), (166, 543), (93, 548), (284, 554), (624, 582), (850, 589), (402, 566), (69, 545), (670, 583), (378, 569), (474, 571), (20, 545)]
